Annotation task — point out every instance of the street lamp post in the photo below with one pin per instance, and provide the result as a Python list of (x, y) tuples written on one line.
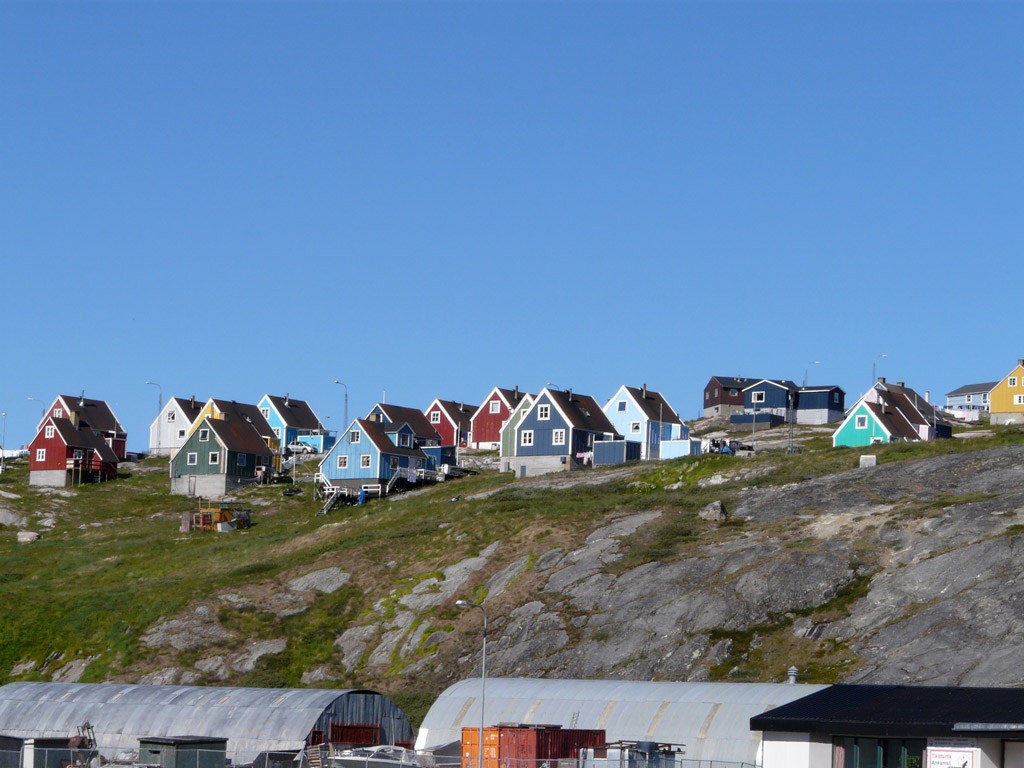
[(483, 674), (813, 362), (37, 400), (346, 400), (159, 407), (873, 363), (3, 444)]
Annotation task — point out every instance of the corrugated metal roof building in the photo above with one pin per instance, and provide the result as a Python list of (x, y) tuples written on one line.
[(253, 720), (711, 719)]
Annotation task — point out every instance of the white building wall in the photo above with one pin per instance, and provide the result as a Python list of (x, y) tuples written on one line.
[(163, 434), (796, 750)]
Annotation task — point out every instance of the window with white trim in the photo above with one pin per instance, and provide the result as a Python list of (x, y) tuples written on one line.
[(49, 431), (191, 459), (969, 398), (435, 417), (58, 413), (343, 462), (171, 415), (1012, 381), (984, 398), (757, 397), (558, 437), (204, 435), (495, 406), (181, 434), (861, 422), (266, 413), (526, 437), (621, 406), (634, 427), (214, 457), (543, 412), (277, 432), (1018, 399), (403, 440), (40, 454), (394, 462), (241, 460), (78, 453), (364, 461), (353, 436)]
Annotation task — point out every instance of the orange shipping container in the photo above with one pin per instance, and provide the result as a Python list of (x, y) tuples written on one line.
[(471, 747)]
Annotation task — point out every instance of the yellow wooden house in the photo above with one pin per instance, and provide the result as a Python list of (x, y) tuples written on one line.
[(1006, 401)]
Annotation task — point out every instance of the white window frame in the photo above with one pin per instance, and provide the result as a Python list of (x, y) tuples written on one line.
[(241, 460), (49, 431), (171, 415), (214, 458), (265, 413), (191, 459), (40, 454), (277, 432), (435, 417), (343, 462), (621, 405), (1012, 381), (354, 437), (969, 398), (181, 434), (860, 422), (543, 412), (58, 413), (984, 398), (364, 461), (403, 440), (495, 406), (526, 437), (78, 453), (634, 427), (757, 397), (1018, 399), (558, 437), (204, 435)]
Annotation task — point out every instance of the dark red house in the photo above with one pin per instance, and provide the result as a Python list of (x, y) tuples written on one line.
[(94, 415), (724, 395), (486, 423), (451, 420), (62, 455)]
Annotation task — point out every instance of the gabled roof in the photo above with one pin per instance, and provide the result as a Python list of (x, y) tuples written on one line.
[(377, 434), (245, 412), (238, 436), (925, 413), (414, 417), (96, 413), (189, 407), (893, 419), (653, 404), (823, 388), (780, 383), (295, 413), (734, 382), (973, 389), (581, 411), (458, 414), (82, 438)]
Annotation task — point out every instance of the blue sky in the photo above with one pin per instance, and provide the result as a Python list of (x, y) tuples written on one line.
[(432, 198)]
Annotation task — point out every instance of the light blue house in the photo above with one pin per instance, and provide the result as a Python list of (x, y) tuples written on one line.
[(969, 402), (294, 421), (645, 416), (375, 457), (425, 437)]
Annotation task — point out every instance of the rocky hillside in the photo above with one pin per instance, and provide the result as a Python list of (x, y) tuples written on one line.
[(699, 569)]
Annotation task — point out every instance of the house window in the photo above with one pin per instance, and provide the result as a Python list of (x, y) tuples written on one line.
[(343, 462), (1018, 399), (192, 459), (214, 457), (353, 436), (277, 432), (419, 463), (707, 396), (543, 412), (861, 422), (40, 454), (558, 437), (403, 440), (265, 461), (495, 406), (526, 437), (78, 453), (241, 459), (1012, 381), (170, 416), (757, 397), (364, 461), (266, 413), (621, 405), (49, 431), (969, 398), (835, 398), (204, 435), (435, 417), (181, 434), (634, 427), (394, 462), (58, 413)]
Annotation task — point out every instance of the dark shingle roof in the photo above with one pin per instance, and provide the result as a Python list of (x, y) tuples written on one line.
[(96, 413), (971, 389), (84, 438), (414, 417), (512, 396), (822, 388), (460, 413), (189, 407), (295, 413), (246, 412), (898, 710), (782, 383), (238, 436), (582, 411), (379, 437), (734, 382), (654, 405)]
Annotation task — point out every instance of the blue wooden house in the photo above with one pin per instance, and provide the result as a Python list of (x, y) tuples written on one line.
[(820, 405), (425, 437), (558, 432), (375, 457), (294, 421), (970, 401), (773, 396), (643, 415)]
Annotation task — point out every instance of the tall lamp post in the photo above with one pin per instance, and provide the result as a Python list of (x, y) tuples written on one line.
[(3, 444), (873, 363), (483, 674), (346, 400), (37, 400), (159, 407), (813, 362)]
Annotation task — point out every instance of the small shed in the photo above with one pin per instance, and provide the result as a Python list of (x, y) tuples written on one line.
[(615, 452), (183, 751)]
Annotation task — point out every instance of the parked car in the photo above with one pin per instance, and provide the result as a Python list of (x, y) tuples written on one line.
[(298, 447)]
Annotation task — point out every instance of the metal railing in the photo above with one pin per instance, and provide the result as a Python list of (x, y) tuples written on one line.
[(157, 756), (636, 761)]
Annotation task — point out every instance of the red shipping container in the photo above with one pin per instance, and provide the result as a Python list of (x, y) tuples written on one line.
[(355, 735), (525, 746)]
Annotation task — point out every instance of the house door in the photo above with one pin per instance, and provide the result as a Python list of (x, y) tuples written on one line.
[(191, 485), (522, 470)]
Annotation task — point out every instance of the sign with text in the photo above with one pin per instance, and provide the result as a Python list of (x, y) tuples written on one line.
[(951, 758)]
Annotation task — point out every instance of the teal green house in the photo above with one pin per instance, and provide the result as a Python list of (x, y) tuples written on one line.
[(888, 413)]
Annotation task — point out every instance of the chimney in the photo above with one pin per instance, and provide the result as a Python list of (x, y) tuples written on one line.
[(881, 379), (1020, 362), (81, 398), (900, 384), (569, 393), (645, 392), (928, 396), (791, 674), (192, 402), (516, 392), (286, 398)]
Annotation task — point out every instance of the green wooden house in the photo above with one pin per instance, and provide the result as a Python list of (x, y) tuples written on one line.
[(508, 431), (218, 457)]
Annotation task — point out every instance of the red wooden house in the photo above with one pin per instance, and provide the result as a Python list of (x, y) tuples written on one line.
[(94, 415), (487, 421), (451, 420), (62, 455)]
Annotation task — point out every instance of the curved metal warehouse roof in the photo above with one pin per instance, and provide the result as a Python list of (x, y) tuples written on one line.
[(253, 720), (711, 719)]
